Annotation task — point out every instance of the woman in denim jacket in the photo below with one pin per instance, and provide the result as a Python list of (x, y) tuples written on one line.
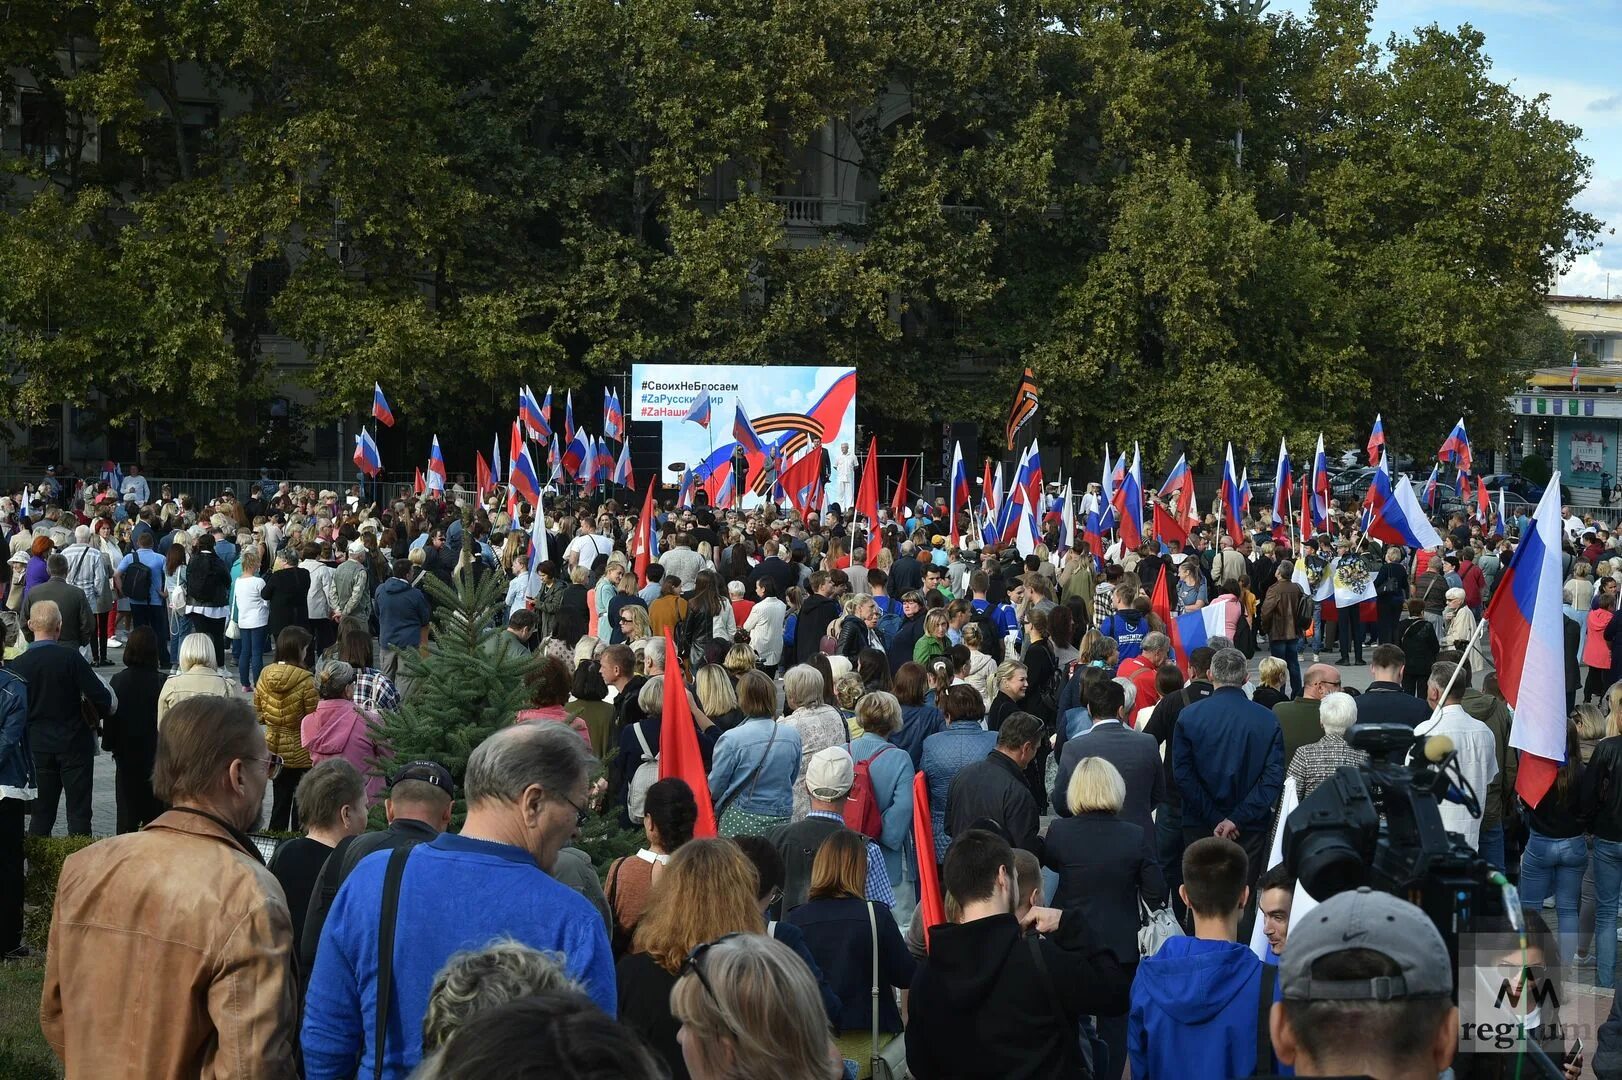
[(752, 777), (879, 714)]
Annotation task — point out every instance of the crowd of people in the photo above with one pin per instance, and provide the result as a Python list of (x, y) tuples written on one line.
[(1102, 803)]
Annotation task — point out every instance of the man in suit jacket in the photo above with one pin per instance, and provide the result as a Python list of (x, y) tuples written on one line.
[(1228, 764), (775, 567), (1133, 753), (906, 573), (78, 621), (1298, 719)]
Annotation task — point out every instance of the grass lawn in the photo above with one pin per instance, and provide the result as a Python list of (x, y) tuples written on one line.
[(24, 1054)]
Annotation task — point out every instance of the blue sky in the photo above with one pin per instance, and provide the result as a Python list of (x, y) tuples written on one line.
[(1563, 48)]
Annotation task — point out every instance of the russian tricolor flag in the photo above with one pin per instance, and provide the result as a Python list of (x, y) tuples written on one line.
[(1129, 503), (1428, 496), (521, 476), (699, 411), (1197, 628), (568, 416), (743, 432), (1456, 447), (622, 468), (436, 468), (1528, 645), (575, 455), (529, 412), (380, 406), (1232, 501), (1320, 486), (367, 459), (1376, 440), (613, 416), (1282, 480), (958, 490), (992, 501), (1395, 516)]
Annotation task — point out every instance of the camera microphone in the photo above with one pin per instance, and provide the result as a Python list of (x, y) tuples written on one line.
[(1437, 748)]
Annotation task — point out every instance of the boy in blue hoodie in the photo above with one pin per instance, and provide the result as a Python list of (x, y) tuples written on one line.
[(1200, 1003)]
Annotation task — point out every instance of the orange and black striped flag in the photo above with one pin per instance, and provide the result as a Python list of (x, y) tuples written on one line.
[(1024, 410)]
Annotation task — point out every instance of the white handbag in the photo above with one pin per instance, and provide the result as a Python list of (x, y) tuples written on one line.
[(1154, 928)]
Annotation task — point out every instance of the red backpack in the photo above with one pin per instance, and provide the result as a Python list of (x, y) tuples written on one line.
[(862, 804)]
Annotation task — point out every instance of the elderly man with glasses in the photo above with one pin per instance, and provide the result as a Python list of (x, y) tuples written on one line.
[(1299, 718), (184, 910), (527, 787)]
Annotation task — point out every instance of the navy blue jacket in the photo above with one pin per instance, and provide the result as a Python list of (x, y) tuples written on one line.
[(838, 935), (1228, 761), (402, 612), (16, 759)]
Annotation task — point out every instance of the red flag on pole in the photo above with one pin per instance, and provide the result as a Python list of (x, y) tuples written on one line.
[(931, 902), (419, 485), (800, 483), (678, 741), (867, 492), (899, 500), (481, 474), (1160, 606), (642, 546), (1167, 527), (1483, 503)]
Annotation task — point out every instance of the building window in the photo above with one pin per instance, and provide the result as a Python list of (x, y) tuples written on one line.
[(44, 127), (198, 120)]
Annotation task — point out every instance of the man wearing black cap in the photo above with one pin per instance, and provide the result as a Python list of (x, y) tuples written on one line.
[(418, 809), (1367, 991)]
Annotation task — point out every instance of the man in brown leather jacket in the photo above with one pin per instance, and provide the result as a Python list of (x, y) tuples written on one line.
[(170, 949)]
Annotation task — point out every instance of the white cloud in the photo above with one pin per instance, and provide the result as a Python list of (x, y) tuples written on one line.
[(1590, 277)]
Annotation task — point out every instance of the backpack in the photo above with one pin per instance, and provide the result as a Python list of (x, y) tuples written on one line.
[(862, 804), (889, 617), (138, 581), (991, 639), (645, 776), (1304, 612)]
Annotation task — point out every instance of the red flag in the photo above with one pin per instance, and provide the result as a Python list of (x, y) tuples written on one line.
[(800, 482), (899, 500), (1483, 504), (1160, 605), (481, 474), (642, 546), (867, 492), (1306, 513), (678, 740), (931, 903), (1167, 527), (419, 484)]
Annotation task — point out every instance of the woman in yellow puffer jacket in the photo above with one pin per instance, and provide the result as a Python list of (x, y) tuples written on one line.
[(284, 696)]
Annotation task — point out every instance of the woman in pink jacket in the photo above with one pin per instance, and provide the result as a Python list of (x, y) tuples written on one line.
[(1597, 650), (340, 728), (549, 685)]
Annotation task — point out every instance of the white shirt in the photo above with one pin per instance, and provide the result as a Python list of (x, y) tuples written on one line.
[(765, 627), (844, 468), (1478, 762), (134, 487), (1572, 526), (586, 547)]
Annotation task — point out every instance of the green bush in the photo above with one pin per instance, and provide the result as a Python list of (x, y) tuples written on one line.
[(45, 856), (1535, 469)]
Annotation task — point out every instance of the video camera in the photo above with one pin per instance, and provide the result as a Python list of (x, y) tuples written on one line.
[(1336, 839)]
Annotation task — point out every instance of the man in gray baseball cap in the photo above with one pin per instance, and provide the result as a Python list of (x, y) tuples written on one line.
[(1367, 985)]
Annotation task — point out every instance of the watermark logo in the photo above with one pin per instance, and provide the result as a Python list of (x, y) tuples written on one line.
[(1512, 999)]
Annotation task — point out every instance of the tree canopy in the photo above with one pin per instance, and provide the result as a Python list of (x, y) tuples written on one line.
[(452, 196)]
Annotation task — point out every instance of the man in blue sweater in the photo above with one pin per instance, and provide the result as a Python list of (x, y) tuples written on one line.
[(1200, 1006), (525, 788), (1227, 758)]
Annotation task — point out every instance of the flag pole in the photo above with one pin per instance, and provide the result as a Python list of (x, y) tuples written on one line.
[(1441, 702)]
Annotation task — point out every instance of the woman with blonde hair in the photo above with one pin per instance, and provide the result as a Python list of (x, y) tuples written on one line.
[(739, 661), (839, 927), (981, 666), (706, 890), (199, 675), (633, 623), (1270, 682), (749, 1007), (754, 765), (718, 696)]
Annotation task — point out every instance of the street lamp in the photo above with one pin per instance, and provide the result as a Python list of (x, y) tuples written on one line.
[(1249, 11)]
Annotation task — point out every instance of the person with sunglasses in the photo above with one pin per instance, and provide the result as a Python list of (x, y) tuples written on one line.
[(749, 1007), (706, 890), (186, 911), (526, 789)]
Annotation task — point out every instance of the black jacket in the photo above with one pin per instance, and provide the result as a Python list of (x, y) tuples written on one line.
[(815, 615), (1388, 703), (208, 580), (131, 734), (1104, 862), (288, 593), (779, 571), (898, 650), (797, 845), (995, 788), (78, 621), (59, 678), (1601, 789), (906, 574), (853, 638), (982, 1005)]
